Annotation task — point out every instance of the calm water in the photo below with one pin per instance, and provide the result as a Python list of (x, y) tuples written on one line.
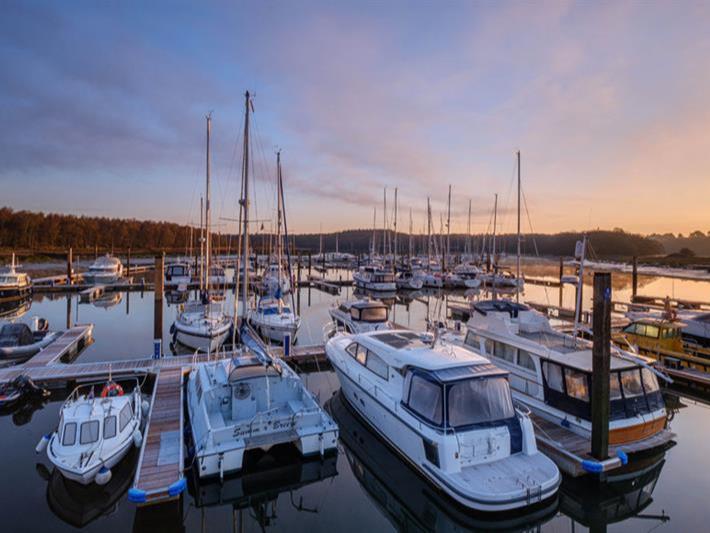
[(366, 487)]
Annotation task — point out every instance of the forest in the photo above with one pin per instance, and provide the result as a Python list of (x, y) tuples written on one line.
[(33, 233)]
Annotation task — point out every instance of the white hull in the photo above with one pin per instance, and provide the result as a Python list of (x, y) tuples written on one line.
[(88, 476), (275, 333), (373, 286), (199, 342), (101, 279)]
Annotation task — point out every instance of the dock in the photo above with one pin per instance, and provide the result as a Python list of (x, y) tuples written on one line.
[(331, 287), (69, 344), (159, 476)]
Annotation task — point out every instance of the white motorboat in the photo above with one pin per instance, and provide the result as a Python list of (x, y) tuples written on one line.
[(501, 279), (407, 280), (19, 342), (14, 285), (201, 326), (430, 279), (217, 276), (98, 426), (456, 281), (374, 278), (275, 280), (252, 402), (273, 319), (361, 316), (551, 373), (106, 269), (178, 274), (448, 412)]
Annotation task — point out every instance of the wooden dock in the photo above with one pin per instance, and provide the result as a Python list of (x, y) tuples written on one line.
[(69, 343), (159, 476)]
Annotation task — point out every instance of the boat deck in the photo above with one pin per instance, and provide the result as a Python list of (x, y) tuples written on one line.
[(68, 344), (160, 467)]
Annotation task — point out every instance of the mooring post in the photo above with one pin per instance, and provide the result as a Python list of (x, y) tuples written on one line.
[(158, 306), (298, 285), (562, 273), (310, 261), (634, 278), (128, 265), (601, 362), (68, 310), (69, 266)]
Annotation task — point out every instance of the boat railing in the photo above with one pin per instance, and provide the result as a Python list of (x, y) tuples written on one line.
[(331, 329)]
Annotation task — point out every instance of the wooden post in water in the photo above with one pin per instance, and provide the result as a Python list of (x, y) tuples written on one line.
[(158, 305), (297, 288), (128, 264), (69, 267), (601, 362), (634, 278), (562, 273)]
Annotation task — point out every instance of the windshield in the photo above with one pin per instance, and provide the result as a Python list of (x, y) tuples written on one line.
[(371, 314), (478, 400)]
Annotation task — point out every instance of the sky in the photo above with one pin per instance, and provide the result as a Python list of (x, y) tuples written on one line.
[(103, 109)]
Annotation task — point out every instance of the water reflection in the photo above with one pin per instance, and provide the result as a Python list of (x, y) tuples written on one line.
[(407, 500), (14, 310), (253, 494)]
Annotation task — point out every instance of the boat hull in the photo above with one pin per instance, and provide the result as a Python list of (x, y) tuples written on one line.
[(202, 342)]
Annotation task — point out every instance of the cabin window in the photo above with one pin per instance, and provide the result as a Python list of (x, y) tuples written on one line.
[(373, 314), (525, 360), (505, 351), (631, 328), (631, 383), (650, 383), (376, 364), (476, 401), (652, 331), (553, 376), (425, 399), (614, 386), (109, 427), (576, 383), (89, 432), (361, 355), (488, 345), (352, 349), (69, 437), (473, 340), (668, 333), (125, 416)]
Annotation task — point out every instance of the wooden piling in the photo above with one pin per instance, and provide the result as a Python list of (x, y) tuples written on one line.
[(128, 264), (158, 299), (601, 362), (634, 278), (562, 273), (69, 267)]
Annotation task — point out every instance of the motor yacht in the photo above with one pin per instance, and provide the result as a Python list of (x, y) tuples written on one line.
[(374, 278), (177, 274), (106, 269), (252, 402), (273, 319), (98, 426), (360, 316), (14, 285), (551, 373), (408, 281), (449, 413)]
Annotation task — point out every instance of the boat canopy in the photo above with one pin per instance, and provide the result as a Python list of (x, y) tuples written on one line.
[(16, 335), (369, 311)]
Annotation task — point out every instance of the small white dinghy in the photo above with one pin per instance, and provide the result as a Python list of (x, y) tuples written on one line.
[(96, 430)]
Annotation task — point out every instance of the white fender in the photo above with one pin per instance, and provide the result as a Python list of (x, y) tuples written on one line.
[(42, 444), (137, 438), (103, 476)]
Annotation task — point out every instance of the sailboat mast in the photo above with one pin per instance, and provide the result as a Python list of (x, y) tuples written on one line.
[(428, 216), (384, 230), (495, 222), (448, 231), (202, 245), (394, 260), (411, 236), (245, 206), (517, 264), (279, 213), (208, 245), (373, 248), (468, 230)]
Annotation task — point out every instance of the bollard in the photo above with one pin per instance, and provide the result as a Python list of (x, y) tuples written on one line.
[(287, 345), (601, 363)]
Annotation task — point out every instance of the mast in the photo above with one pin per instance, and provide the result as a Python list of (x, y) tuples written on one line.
[(384, 230), (495, 221), (208, 245), (411, 236), (394, 258), (202, 246), (278, 217), (373, 248), (428, 213), (468, 230), (517, 264), (245, 205), (578, 304), (448, 231)]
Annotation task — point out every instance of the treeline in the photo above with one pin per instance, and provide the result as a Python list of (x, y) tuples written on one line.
[(31, 232), (697, 242)]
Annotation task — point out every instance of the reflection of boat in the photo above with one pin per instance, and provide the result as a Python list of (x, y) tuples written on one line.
[(20, 388), (108, 300), (386, 297), (407, 499), (14, 310), (258, 486), (106, 269), (79, 505), (449, 413), (176, 297), (623, 495)]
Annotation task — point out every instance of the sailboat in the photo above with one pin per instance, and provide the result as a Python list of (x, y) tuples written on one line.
[(202, 325), (251, 402), (273, 318)]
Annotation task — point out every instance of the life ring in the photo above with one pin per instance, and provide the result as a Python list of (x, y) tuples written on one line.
[(111, 390)]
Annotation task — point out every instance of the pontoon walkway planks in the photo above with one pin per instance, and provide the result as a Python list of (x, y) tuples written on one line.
[(159, 474), (69, 343)]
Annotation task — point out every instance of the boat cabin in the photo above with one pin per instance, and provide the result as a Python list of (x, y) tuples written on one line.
[(377, 275), (652, 333), (177, 270)]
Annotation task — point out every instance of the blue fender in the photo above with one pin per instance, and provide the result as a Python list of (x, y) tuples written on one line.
[(593, 467), (136, 495), (177, 487)]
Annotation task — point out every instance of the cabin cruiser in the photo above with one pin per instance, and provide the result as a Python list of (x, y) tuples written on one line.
[(14, 285), (106, 269), (217, 276), (177, 274), (696, 323), (274, 320), (252, 402), (551, 373), (19, 342), (201, 326), (501, 279), (407, 280), (374, 278), (457, 281), (361, 316), (97, 428), (430, 279), (275, 280), (449, 413)]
